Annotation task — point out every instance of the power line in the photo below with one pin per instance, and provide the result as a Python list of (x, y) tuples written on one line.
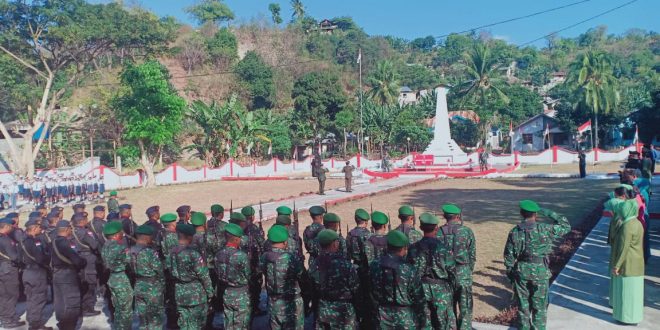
[(578, 23), (514, 19)]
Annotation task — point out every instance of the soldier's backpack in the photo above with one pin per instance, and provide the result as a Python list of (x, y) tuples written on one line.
[(380, 245), (271, 279), (528, 251), (330, 291), (390, 267), (355, 244), (449, 231), (222, 261)]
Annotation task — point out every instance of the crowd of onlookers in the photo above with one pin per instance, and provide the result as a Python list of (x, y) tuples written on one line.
[(53, 190)]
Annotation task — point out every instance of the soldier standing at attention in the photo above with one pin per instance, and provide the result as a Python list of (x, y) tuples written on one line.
[(460, 241), (89, 250), (434, 263), (348, 175), (9, 281), (407, 215), (184, 213), (525, 257), (166, 241), (256, 242), (193, 288), (321, 177), (113, 204), (333, 222), (35, 275), (355, 244), (149, 282), (293, 245), (116, 259), (126, 217), (153, 215), (396, 287), (204, 247), (310, 232), (67, 264), (98, 221), (376, 244), (335, 283), (284, 272), (233, 268), (215, 225)]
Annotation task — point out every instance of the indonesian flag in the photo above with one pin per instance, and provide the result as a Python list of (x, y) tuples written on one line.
[(585, 127)]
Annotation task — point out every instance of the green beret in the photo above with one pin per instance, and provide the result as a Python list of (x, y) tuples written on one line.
[(185, 229), (327, 236), (316, 210), (283, 220), (529, 205), (283, 210), (406, 210), (144, 230), (217, 208), (247, 211), (278, 234), (168, 217), (428, 219), (198, 219), (397, 238), (362, 214), (112, 228), (234, 229), (627, 186), (331, 217), (451, 209), (113, 193), (379, 218), (237, 216)]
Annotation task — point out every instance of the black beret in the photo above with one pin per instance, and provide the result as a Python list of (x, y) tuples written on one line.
[(98, 208)]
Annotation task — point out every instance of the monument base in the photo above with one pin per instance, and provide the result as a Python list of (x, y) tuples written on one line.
[(446, 152)]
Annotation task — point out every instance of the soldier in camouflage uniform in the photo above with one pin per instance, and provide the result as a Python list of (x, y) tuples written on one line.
[(89, 250), (460, 241), (434, 263), (335, 282), (255, 236), (525, 257), (193, 289), (294, 235), (233, 268), (216, 223), (205, 246), (292, 245), (355, 244), (407, 217), (215, 233), (166, 240), (396, 287), (285, 279), (376, 244), (149, 283), (115, 258), (316, 213)]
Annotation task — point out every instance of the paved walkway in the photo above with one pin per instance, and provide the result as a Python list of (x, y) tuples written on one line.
[(579, 295)]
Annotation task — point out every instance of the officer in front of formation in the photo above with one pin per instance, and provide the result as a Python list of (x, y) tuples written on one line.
[(9, 281), (67, 265)]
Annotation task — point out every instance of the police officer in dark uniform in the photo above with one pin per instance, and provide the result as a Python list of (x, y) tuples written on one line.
[(153, 217), (36, 258), (89, 250), (9, 263), (67, 264), (184, 214), (97, 223), (129, 226)]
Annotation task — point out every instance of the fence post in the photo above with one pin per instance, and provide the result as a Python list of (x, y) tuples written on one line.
[(275, 164), (174, 172), (231, 167), (358, 160), (205, 171), (254, 167), (595, 154), (515, 157), (554, 154), (332, 162)]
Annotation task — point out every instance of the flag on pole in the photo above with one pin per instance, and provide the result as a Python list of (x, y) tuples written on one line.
[(359, 58), (584, 127)]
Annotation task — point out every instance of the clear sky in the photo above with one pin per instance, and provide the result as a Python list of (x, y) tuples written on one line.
[(419, 18)]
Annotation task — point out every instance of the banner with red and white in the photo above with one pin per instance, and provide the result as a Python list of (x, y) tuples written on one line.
[(585, 127)]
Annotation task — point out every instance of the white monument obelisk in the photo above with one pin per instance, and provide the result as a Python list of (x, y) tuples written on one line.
[(443, 148)]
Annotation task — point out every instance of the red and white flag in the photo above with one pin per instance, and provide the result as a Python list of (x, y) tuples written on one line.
[(585, 127)]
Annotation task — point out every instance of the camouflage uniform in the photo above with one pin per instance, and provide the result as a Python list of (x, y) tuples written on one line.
[(233, 267), (193, 286), (413, 234), (115, 258), (434, 263), (398, 291), (308, 239), (375, 247), (355, 245), (149, 286), (166, 242), (256, 241), (335, 283), (460, 241), (525, 258), (284, 273)]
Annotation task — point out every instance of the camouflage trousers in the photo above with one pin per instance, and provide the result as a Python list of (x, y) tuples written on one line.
[(462, 303), (336, 315), (286, 313), (438, 311), (192, 317), (256, 282), (237, 311), (532, 298), (149, 300), (121, 294), (396, 318), (365, 308)]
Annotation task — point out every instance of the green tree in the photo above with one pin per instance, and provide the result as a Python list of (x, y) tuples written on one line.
[(409, 126), (378, 122), (257, 77), (214, 11), (279, 132), (465, 132), (150, 110), (425, 44), (298, 10), (222, 48), (344, 123), (275, 9), (523, 104), (417, 76), (384, 83), (318, 97)]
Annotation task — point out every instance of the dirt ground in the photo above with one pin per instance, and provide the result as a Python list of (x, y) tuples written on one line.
[(609, 167)]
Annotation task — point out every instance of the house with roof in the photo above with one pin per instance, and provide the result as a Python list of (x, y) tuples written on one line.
[(326, 26), (540, 133), (407, 96)]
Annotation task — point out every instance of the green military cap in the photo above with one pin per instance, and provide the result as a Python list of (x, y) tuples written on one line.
[(237, 216), (185, 229), (428, 219), (278, 234), (331, 217), (113, 193), (529, 205), (379, 218), (283, 210), (327, 236), (168, 217), (247, 211), (316, 210), (451, 209), (627, 186), (234, 229), (283, 220), (217, 208), (397, 238), (112, 228), (144, 230), (406, 210), (198, 219), (362, 214)]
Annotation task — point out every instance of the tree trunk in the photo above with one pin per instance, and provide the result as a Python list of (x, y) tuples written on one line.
[(345, 142), (596, 130), (147, 166)]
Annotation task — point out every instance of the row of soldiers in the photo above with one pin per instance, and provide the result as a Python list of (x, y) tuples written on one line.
[(402, 278)]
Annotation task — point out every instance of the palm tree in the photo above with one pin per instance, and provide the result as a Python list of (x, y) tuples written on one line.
[(384, 84), (591, 76), (298, 10)]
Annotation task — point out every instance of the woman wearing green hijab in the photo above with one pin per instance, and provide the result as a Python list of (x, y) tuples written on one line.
[(627, 264)]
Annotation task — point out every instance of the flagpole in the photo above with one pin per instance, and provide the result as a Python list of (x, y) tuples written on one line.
[(361, 122)]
